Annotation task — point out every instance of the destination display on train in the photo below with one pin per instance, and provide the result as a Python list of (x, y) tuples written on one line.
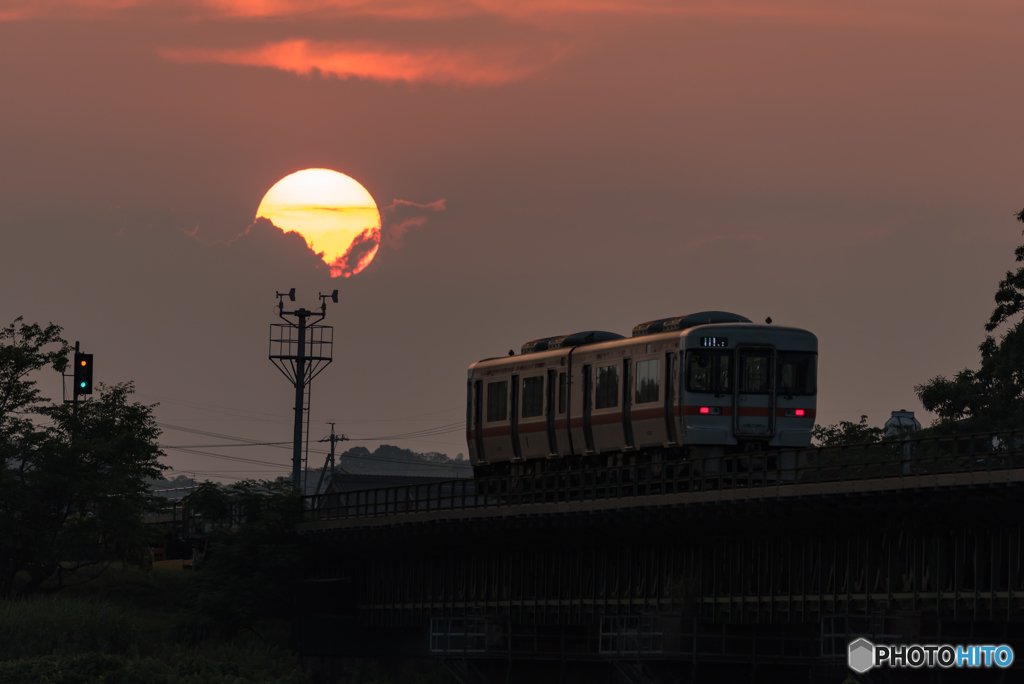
[(714, 341)]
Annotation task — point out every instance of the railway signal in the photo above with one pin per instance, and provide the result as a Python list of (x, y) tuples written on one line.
[(82, 374)]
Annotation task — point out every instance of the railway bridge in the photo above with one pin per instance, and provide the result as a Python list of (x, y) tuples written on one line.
[(751, 567)]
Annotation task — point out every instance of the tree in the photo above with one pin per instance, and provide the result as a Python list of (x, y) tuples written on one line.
[(992, 397), (401, 461), (72, 493), (253, 554), (846, 433)]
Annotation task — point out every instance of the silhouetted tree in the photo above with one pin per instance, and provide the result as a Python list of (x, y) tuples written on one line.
[(396, 460), (254, 553), (72, 492), (845, 433), (992, 397)]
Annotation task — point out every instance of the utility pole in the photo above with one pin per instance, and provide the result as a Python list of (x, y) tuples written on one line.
[(74, 387), (333, 439), (301, 349)]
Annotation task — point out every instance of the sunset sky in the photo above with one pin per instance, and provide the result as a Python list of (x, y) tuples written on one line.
[(540, 168)]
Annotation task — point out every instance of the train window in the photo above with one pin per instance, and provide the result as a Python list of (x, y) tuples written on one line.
[(606, 393), (533, 397), (563, 388), (497, 401), (798, 373), (709, 371), (648, 375), (755, 376)]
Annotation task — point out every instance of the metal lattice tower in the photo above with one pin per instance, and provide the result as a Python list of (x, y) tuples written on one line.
[(301, 349)]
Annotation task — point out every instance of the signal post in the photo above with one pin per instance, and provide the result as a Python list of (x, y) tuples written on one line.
[(81, 377)]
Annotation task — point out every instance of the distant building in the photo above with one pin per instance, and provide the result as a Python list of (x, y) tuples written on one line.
[(174, 493), (901, 421)]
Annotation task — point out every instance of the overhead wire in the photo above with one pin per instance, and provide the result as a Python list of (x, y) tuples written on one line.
[(286, 445), (211, 446), (239, 459), (426, 432), (279, 418)]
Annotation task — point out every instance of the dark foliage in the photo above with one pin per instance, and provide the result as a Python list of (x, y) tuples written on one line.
[(387, 458), (89, 668), (992, 397), (253, 554), (846, 433), (73, 492)]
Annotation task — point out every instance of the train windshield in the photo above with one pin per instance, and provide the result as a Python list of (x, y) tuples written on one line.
[(755, 371), (798, 374), (709, 371)]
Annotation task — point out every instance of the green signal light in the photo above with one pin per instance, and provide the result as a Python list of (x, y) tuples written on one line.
[(81, 384)]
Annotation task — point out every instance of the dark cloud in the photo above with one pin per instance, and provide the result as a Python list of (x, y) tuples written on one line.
[(401, 216), (359, 254)]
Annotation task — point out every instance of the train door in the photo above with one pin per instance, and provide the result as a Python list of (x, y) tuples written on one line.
[(496, 430), (516, 448), (647, 408), (551, 397), (754, 393), (588, 406), (670, 394), (627, 403), (478, 415), (535, 424), (565, 426)]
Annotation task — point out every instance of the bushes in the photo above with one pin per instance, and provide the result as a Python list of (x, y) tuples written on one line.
[(254, 555), (55, 624), (83, 669), (90, 668), (125, 627)]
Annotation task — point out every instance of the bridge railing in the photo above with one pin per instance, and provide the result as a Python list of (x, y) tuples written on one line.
[(956, 454)]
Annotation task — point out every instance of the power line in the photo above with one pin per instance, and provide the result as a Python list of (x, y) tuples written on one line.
[(229, 411), (279, 418), (250, 442), (239, 459), (427, 432), (211, 446), (395, 420)]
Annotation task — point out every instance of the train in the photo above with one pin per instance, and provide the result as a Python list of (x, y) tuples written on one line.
[(703, 384)]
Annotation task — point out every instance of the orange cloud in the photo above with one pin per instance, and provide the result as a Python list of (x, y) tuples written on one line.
[(297, 9), (917, 14), (947, 14), (406, 9), (372, 61), (22, 10)]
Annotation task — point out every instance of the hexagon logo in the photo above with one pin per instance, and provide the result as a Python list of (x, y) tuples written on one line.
[(861, 656)]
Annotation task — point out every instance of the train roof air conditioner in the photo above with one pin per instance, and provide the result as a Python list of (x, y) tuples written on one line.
[(688, 321)]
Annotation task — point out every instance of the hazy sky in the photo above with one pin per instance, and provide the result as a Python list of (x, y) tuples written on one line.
[(850, 168)]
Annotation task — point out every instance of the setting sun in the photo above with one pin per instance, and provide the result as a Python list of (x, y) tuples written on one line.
[(335, 215)]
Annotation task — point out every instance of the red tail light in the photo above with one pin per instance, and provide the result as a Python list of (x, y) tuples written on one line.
[(799, 412), (705, 409)]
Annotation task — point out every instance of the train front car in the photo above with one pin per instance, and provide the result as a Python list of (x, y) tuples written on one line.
[(747, 387), (704, 384)]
